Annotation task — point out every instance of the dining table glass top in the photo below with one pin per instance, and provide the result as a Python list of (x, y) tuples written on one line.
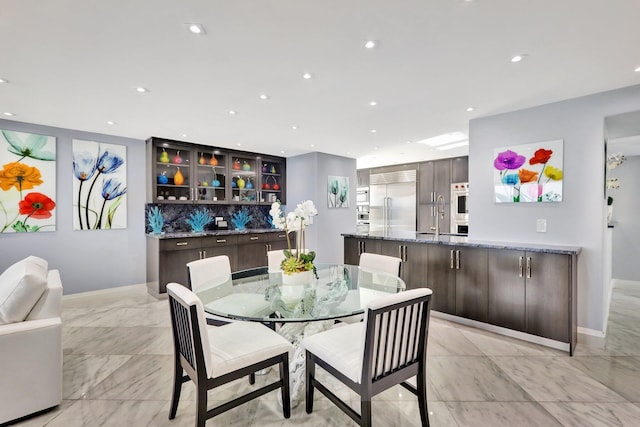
[(335, 291)]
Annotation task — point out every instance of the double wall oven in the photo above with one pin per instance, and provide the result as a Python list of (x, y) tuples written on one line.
[(460, 208)]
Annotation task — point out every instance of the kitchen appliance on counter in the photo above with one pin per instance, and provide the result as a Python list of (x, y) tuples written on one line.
[(392, 201), (460, 208)]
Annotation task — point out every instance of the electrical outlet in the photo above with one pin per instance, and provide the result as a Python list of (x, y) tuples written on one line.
[(541, 226)]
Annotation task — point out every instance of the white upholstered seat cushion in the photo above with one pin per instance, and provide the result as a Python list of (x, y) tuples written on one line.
[(341, 348), (240, 344), (21, 286)]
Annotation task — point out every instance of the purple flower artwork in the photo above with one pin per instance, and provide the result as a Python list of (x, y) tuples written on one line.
[(528, 173), (508, 160)]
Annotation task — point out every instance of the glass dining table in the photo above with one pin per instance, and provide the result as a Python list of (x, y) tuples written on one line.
[(337, 291)]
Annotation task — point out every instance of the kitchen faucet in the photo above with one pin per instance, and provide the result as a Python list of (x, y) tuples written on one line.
[(439, 213)]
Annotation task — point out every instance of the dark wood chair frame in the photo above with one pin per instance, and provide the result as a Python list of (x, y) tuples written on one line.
[(370, 385), (189, 355)]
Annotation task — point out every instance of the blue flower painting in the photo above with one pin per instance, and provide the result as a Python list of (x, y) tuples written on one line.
[(99, 185)]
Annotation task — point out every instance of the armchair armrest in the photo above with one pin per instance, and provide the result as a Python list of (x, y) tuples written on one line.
[(31, 360)]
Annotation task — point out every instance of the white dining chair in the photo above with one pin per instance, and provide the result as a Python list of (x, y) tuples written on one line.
[(211, 357), (213, 275), (369, 357), (369, 264)]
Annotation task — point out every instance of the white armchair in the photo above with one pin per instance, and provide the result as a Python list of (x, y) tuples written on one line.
[(31, 356)]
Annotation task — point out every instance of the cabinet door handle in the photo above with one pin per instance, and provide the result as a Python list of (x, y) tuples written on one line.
[(182, 243), (451, 259), (221, 241), (405, 254), (254, 238), (457, 260), (204, 254), (520, 267), (528, 267), (400, 252)]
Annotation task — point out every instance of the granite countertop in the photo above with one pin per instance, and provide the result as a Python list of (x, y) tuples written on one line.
[(182, 235), (461, 240)]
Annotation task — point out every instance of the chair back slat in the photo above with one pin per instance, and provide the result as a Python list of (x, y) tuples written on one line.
[(182, 331), (395, 336), (190, 329)]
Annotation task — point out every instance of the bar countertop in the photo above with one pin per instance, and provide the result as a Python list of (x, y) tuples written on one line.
[(462, 240)]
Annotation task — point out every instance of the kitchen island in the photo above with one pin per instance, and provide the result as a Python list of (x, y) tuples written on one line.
[(523, 290)]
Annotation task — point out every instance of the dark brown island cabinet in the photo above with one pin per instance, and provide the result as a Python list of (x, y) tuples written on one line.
[(532, 291)]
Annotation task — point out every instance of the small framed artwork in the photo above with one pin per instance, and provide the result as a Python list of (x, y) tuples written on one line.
[(528, 173), (338, 192)]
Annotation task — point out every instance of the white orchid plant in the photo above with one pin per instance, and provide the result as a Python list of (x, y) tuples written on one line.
[(297, 220)]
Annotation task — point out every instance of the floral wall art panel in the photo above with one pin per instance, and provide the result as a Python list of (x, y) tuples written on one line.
[(338, 192), (99, 185), (27, 182), (529, 173)]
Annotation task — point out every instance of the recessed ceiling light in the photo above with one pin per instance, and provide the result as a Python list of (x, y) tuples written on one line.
[(375, 148), (313, 145), (370, 44), (111, 122), (239, 144), (184, 135), (637, 70), (233, 112), (195, 28), (6, 113), (446, 138), (294, 127), (307, 76), (469, 109), (264, 96), (373, 131), (3, 80), (142, 89), (518, 58), (373, 103), (281, 151)]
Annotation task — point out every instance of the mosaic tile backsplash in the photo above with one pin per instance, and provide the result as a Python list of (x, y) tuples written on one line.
[(176, 215)]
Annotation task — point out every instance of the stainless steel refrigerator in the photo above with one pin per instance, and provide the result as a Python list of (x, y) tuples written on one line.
[(392, 202)]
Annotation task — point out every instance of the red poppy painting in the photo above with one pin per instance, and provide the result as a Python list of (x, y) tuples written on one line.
[(27, 182), (528, 173)]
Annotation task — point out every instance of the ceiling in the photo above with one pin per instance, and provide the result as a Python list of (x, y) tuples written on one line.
[(76, 64)]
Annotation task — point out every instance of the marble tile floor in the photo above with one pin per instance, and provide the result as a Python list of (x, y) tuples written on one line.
[(118, 372)]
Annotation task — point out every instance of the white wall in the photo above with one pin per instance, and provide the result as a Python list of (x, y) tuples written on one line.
[(87, 260), (307, 180), (626, 232), (580, 218)]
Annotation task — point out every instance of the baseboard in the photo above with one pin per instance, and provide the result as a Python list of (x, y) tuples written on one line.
[(105, 291), (591, 337), (558, 345)]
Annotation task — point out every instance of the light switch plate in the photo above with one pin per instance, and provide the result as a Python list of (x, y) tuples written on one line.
[(541, 225)]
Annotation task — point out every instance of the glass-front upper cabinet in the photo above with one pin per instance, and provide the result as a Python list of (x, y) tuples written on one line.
[(190, 173), (272, 179), (172, 172), (243, 179), (211, 175)]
